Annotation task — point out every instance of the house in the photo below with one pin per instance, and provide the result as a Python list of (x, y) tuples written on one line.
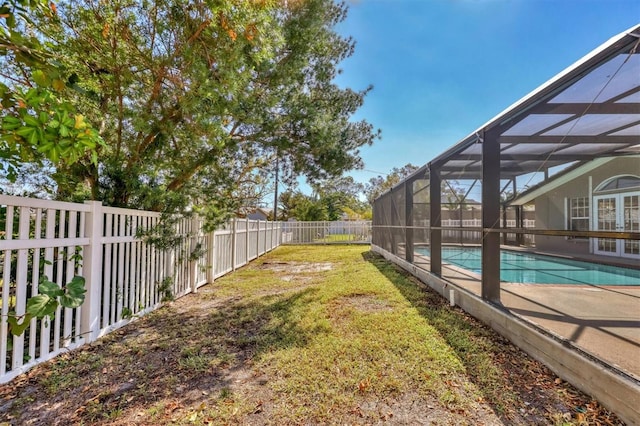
[(260, 213), (600, 195)]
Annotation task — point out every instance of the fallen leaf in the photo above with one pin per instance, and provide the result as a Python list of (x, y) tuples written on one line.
[(357, 411)]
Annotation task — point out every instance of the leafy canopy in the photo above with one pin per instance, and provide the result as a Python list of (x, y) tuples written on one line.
[(36, 121), (379, 184), (194, 99)]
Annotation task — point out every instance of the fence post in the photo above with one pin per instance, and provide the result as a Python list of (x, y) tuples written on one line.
[(270, 236), (257, 239), (193, 263), (211, 267), (247, 250), (92, 271), (274, 235), (233, 244)]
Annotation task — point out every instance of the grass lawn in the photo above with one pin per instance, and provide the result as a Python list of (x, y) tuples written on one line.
[(304, 335)]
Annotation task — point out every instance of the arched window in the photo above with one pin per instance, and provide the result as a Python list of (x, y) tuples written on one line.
[(619, 183)]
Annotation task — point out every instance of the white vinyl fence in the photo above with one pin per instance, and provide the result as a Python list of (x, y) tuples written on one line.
[(324, 232), (125, 276), (463, 235)]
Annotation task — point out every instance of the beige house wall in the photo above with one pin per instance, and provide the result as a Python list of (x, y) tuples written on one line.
[(551, 207)]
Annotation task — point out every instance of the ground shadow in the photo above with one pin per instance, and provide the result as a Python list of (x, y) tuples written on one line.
[(168, 360), (505, 375)]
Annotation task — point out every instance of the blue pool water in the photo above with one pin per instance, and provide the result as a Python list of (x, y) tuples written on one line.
[(519, 267)]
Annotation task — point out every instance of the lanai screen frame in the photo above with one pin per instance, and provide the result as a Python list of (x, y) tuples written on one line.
[(588, 111)]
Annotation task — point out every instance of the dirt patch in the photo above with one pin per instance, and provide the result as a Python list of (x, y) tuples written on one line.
[(194, 362), (277, 292), (296, 278), (297, 267), (366, 303)]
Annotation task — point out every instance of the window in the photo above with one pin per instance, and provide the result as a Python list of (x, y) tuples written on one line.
[(624, 182), (578, 219)]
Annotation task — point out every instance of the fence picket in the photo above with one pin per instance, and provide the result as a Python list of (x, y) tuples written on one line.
[(21, 285), (120, 301), (121, 270), (59, 267), (35, 278), (107, 296), (45, 323), (69, 274)]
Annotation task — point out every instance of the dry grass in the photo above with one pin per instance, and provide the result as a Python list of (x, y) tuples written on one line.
[(304, 335)]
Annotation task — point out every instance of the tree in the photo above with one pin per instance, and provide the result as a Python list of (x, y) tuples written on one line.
[(338, 194), (36, 123), (193, 97), (296, 205), (379, 184), (331, 198), (453, 197)]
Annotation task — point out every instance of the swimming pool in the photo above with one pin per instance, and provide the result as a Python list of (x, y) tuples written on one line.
[(520, 267)]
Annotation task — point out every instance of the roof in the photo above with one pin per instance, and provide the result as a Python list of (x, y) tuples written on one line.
[(589, 110), (566, 175)]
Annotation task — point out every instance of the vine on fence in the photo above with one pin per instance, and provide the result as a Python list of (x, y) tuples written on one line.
[(166, 289), (46, 303)]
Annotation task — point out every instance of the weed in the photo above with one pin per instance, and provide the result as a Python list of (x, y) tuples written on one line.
[(165, 289), (60, 377), (225, 394)]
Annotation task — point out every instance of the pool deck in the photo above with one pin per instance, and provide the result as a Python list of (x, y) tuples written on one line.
[(602, 321)]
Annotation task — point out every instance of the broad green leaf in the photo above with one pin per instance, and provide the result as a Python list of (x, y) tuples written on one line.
[(77, 283), (75, 293), (10, 125), (17, 328), (37, 305), (31, 121), (25, 132), (10, 119), (54, 153), (44, 148), (33, 138), (71, 302), (50, 288), (40, 78), (50, 309), (68, 122)]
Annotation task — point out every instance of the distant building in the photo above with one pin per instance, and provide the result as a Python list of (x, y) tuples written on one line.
[(260, 213)]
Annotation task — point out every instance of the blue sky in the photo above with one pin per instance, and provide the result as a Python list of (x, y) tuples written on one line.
[(442, 68)]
